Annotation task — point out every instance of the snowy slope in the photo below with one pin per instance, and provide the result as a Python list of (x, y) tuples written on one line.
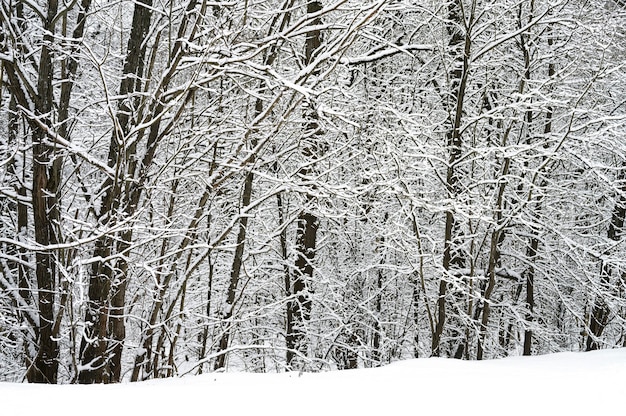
[(558, 384)]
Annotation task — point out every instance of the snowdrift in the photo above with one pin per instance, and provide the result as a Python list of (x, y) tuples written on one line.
[(556, 384)]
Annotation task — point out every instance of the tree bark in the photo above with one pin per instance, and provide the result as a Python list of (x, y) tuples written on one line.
[(299, 306), (45, 365), (460, 43), (533, 246), (600, 312), (235, 271), (246, 197), (104, 275)]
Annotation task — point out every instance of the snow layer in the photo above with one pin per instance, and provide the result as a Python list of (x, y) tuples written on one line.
[(557, 384)]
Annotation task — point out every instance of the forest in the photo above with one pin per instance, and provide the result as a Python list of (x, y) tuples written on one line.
[(193, 186)]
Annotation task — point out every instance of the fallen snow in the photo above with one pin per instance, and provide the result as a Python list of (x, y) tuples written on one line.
[(557, 384)]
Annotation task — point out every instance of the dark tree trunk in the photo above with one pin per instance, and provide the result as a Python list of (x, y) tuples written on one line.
[(235, 271), (300, 305), (23, 305), (533, 247), (109, 279), (101, 318), (377, 335), (452, 254), (46, 170), (45, 365), (600, 313), (531, 253)]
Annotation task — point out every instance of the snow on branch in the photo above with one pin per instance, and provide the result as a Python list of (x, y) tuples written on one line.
[(385, 53), (58, 140)]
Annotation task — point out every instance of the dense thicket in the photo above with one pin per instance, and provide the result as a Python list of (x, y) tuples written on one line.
[(275, 185)]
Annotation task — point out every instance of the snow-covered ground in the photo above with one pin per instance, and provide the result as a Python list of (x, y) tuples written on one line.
[(558, 384)]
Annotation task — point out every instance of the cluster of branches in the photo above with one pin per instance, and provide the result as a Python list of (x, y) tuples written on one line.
[(306, 184)]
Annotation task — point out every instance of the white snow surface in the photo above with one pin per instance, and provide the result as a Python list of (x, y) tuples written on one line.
[(591, 383)]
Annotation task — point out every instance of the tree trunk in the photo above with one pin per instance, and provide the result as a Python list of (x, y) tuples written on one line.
[(235, 270), (47, 164), (300, 305), (109, 279), (45, 365), (94, 354), (460, 43), (533, 247), (531, 253), (600, 312), (24, 275)]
